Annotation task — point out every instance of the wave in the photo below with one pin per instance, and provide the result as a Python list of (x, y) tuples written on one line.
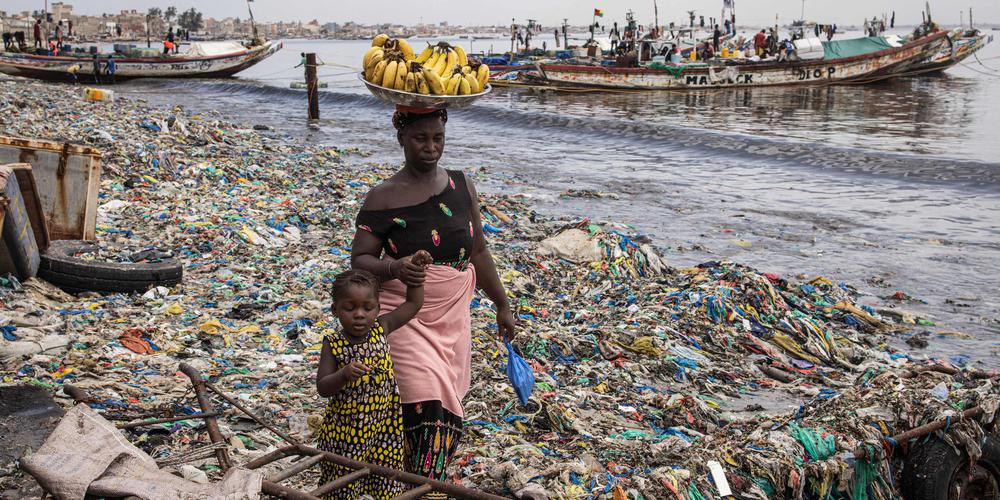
[(648, 139)]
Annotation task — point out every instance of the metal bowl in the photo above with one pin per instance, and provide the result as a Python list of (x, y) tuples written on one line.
[(421, 100)]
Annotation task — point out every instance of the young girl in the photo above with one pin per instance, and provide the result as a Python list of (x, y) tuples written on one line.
[(363, 420)]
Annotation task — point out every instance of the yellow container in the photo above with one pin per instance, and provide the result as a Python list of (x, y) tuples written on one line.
[(90, 94), (694, 54), (725, 53)]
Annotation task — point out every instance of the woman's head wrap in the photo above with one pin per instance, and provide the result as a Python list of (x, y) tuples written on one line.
[(406, 115)]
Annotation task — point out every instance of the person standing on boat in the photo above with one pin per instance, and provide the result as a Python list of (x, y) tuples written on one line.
[(97, 69), (715, 38), (111, 68), (759, 42), (615, 38), (170, 38), (38, 33), (69, 30)]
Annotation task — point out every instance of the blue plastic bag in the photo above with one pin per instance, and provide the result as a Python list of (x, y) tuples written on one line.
[(521, 376)]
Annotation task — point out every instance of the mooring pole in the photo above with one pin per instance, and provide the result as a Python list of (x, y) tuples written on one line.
[(312, 86)]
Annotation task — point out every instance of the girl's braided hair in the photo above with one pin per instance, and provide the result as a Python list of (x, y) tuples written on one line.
[(356, 277)]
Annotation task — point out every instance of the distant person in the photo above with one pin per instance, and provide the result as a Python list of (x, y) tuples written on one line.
[(53, 48), (170, 38), (760, 43), (38, 33), (58, 30), (97, 69), (556, 34), (167, 47), (111, 68), (726, 24), (8, 42), (616, 37), (715, 38), (118, 30), (675, 55), (302, 60), (69, 30)]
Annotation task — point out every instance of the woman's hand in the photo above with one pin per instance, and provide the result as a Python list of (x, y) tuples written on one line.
[(409, 272), (506, 325)]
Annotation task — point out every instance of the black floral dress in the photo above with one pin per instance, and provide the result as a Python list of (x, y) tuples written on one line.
[(364, 420)]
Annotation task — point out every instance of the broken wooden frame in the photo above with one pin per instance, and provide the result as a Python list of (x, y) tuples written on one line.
[(307, 456)]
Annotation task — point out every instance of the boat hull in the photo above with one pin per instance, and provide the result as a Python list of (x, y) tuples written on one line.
[(57, 68), (858, 69)]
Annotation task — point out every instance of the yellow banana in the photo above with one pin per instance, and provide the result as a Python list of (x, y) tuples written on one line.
[(410, 85), (463, 85), (463, 59), (404, 47), (441, 64), (425, 55), (380, 40), (433, 81), (370, 69), (378, 72), (422, 86), (466, 70), (452, 87), (368, 56), (448, 72), (474, 87), (400, 76), (389, 77), (433, 59), (452, 58), (483, 75)]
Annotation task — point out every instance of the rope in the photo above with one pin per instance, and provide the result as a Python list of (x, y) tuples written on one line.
[(981, 62), (974, 70)]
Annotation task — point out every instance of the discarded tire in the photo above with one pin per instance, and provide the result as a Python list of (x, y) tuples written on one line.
[(935, 471), (73, 274)]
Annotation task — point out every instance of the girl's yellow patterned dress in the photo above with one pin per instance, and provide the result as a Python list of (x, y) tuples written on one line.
[(364, 420)]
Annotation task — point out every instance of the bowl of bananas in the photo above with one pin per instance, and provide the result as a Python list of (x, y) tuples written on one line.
[(441, 76)]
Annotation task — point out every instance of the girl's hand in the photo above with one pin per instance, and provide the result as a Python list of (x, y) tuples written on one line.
[(410, 273), (422, 258), (354, 371)]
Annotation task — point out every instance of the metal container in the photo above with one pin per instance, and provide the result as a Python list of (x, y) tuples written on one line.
[(68, 178), (421, 100)]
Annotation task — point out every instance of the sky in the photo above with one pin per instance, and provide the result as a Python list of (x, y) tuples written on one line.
[(548, 12)]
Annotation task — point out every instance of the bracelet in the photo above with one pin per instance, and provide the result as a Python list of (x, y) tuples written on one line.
[(388, 267)]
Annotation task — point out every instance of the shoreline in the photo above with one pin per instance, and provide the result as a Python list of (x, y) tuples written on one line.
[(618, 357)]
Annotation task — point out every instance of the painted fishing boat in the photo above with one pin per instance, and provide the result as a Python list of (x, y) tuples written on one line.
[(203, 60), (962, 44), (861, 61)]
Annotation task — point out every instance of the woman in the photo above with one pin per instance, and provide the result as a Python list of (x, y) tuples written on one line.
[(425, 207)]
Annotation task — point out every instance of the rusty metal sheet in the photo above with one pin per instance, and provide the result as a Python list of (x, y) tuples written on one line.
[(67, 177)]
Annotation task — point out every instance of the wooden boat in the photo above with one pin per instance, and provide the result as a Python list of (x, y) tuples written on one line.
[(961, 44), (868, 67), (202, 61)]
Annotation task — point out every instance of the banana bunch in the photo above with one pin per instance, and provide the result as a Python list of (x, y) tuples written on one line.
[(440, 69)]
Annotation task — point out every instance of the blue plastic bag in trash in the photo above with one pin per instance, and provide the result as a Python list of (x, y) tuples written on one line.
[(521, 376)]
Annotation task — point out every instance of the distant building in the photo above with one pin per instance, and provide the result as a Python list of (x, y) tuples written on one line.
[(61, 11)]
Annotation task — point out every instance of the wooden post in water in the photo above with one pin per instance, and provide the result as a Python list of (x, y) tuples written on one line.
[(312, 86)]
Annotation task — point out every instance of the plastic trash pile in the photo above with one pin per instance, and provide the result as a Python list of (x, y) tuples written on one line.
[(643, 372)]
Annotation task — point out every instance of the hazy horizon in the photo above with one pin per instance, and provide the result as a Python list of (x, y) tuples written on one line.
[(845, 12)]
